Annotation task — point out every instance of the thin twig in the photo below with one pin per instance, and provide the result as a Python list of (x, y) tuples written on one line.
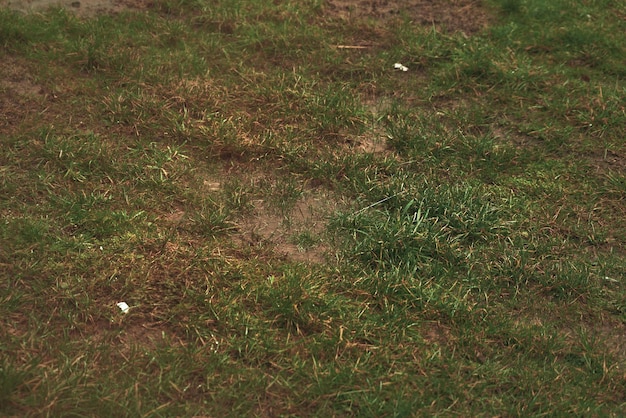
[(351, 46), (378, 203)]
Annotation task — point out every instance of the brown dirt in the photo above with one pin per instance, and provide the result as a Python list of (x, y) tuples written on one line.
[(19, 93), (16, 81), (82, 8), (265, 227), (608, 161), (466, 16)]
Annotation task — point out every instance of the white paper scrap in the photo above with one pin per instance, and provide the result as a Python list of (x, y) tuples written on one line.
[(123, 306), (399, 66)]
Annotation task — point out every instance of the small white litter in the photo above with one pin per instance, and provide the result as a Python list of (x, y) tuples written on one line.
[(123, 306), (399, 66)]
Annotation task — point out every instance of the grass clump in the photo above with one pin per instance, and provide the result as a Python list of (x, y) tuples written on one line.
[(421, 229)]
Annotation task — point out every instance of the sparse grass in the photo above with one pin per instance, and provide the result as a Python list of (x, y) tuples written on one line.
[(473, 267)]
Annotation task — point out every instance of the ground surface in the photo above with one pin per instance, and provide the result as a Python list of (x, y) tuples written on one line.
[(298, 227), (23, 95), (82, 8), (458, 15)]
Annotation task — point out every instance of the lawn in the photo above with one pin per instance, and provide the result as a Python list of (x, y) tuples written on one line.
[(298, 226)]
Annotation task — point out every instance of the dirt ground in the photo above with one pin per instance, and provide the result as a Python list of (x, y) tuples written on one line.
[(467, 16), (82, 8)]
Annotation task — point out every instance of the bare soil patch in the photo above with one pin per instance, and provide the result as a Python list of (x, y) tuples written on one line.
[(19, 93), (82, 8), (466, 16), (266, 227), (16, 79), (288, 227), (608, 161)]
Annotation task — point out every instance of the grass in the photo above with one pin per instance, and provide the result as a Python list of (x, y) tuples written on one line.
[(300, 230)]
